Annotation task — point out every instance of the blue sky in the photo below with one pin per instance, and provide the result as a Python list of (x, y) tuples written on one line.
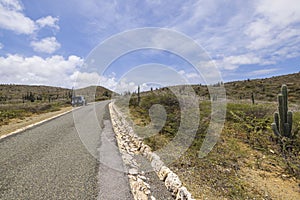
[(47, 42)]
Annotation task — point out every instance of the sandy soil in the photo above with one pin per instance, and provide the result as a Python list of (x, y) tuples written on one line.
[(272, 185), (270, 180)]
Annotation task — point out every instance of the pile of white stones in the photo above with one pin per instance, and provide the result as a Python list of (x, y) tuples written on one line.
[(130, 144)]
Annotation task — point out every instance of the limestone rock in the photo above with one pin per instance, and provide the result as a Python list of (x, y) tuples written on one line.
[(183, 194), (163, 173), (133, 171), (156, 163), (173, 183)]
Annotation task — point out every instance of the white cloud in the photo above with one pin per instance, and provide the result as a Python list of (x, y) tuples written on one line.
[(54, 70), (190, 76), (263, 71), (280, 12), (181, 72), (48, 21), (1, 45), (46, 45), (12, 18), (242, 59), (12, 4), (261, 32), (85, 79), (274, 23)]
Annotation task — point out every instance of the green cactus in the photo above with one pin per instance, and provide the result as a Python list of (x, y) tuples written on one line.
[(252, 98), (283, 119), (139, 98)]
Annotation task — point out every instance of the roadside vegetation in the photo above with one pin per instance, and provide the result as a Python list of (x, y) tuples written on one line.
[(249, 161), (20, 101), (22, 110)]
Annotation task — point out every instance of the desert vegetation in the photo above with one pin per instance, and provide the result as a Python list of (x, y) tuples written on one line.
[(20, 101), (252, 159)]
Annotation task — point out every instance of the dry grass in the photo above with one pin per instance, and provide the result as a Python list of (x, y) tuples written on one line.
[(248, 162)]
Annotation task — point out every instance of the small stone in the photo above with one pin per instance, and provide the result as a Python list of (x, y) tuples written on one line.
[(142, 177), (131, 177), (147, 192), (133, 171)]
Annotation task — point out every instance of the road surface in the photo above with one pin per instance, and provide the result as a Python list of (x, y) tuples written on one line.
[(60, 160)]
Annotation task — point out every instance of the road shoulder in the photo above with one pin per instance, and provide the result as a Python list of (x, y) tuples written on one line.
[(18, 125)]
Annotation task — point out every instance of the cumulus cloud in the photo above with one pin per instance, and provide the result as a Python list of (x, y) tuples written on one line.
[(85, 79), (46, 45), (55, 70), (48, 21), (12, 18)]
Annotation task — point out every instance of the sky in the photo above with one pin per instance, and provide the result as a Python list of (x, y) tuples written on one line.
[(50, 42)]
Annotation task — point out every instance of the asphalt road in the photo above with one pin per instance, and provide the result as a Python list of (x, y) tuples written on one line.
[(60, 160)]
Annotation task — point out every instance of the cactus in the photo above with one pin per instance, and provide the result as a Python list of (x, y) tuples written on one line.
[(283, 119), (139, 98), (252, 98)]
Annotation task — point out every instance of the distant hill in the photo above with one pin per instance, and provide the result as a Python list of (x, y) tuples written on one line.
[(96, 93), (10, 93), (263, 89), (16, 93)]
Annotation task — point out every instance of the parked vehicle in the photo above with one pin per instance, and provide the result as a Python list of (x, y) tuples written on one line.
[(78, 101)]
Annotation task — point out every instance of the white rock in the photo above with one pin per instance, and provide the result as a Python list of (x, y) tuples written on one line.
[(173, 183), (163, 173), (183, 194), (156, 164), (133, 171), (142, 177)]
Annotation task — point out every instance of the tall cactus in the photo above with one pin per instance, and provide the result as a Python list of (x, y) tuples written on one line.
[(283, 119), (139, 98), (252, 98)]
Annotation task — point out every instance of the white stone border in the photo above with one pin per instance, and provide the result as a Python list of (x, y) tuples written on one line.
[(130, 143)]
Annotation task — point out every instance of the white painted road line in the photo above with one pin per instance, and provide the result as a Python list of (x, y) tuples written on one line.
[(35, 124)]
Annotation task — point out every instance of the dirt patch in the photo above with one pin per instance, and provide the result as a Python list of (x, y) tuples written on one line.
[(16, 124), (271, 185), (267, 178)]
